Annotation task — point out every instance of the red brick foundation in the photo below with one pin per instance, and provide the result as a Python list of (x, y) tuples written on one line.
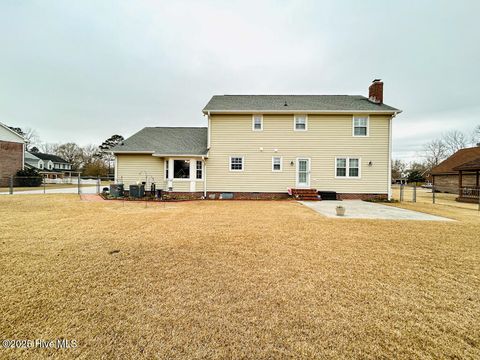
[(213, 195), (362, 196)]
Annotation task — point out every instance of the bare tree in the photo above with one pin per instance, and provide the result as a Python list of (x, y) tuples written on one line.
[(90, 154), (435, 152), (30, 135), (476, 136), (454, 140), (32, 138), (398, 169), (48, 148), (72, 153)]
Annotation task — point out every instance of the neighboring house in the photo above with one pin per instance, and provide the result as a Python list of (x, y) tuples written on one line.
[(446, 175), (12, 147), (262, 145), (50, 166)]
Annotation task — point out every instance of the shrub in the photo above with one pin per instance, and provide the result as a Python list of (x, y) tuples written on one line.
[(28, 178)]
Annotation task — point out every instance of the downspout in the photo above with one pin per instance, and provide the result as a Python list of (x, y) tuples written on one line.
[(204, 177), (389, 177), (203, 157)]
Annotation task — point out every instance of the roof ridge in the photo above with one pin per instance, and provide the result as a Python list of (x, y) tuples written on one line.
[(289, 95)]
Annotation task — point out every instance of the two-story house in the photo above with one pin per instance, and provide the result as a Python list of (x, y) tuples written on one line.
[(263, 145), (50, 166)]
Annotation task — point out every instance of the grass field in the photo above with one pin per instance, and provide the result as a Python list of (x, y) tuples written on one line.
[(236, 279)]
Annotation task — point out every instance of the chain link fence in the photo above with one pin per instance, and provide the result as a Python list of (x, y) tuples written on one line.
[(31, 185), (465, 197)]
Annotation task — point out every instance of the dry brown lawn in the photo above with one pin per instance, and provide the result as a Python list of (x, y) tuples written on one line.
[(235, 280)]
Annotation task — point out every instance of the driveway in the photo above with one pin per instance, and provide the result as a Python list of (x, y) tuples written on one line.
[(69, 190), (356, 209)]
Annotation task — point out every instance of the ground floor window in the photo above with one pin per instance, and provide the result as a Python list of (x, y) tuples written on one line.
[(277, 163), (236, 163), (347, 167), (181, 169), (199, 169)]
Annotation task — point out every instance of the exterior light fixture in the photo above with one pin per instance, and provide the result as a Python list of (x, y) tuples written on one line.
[(370, 163)]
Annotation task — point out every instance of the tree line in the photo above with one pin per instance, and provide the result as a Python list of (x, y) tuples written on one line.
[(433, 153), (90, 160)]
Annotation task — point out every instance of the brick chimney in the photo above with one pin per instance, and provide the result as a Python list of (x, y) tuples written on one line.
[(375, 92)]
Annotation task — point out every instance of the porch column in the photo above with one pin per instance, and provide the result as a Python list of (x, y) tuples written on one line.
[(460, 181), (193, 174), (170, 173)]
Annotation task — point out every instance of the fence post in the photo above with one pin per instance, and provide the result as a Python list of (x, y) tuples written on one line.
[(433, 194), (78, 184), (10, 185), (414, 192), (401, 192)]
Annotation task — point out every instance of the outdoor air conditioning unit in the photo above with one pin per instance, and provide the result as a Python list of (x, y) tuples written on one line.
[(137, 191), (116, 190)]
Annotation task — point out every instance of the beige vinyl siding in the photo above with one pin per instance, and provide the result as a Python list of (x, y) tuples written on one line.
[(180, 185), (327, 137), (133, 168)]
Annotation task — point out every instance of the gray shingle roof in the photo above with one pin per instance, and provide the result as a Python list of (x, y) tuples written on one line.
[(53, 158), (167, 141), (231, 103)]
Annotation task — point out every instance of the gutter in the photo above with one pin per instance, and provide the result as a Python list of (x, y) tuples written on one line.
[(379, 112)]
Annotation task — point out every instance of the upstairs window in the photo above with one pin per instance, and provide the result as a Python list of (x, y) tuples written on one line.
[(236, 163), (346, 167), (300, 123), (199, 169), (277, 163), (360, 126), (257, 123)]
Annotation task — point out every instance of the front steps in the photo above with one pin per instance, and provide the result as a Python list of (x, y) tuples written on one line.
[(305, 194)]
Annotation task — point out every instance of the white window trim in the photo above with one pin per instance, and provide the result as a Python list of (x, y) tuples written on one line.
[(230, 163), (179, 179), (347, 169), (281, 163), (368, 126), (253, 122), (295, 122), (309, 171), (203, 167)]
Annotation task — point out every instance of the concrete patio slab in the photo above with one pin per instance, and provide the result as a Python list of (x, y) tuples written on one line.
[(357, 209)]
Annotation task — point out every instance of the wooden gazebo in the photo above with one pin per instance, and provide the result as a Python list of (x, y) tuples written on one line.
[(469, 193)]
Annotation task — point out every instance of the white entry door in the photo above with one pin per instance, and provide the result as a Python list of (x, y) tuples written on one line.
[(303, 172)]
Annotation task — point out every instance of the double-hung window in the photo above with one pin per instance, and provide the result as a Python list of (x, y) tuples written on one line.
[(199, 169), (347, 167), (300, 123), (360, 126), (236, 163), (257, 123), (277, 163)]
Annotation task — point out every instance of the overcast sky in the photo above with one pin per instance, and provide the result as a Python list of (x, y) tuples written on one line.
[(83, 70)]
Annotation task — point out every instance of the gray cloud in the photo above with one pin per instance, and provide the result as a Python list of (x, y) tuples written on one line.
[(80, 71)]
